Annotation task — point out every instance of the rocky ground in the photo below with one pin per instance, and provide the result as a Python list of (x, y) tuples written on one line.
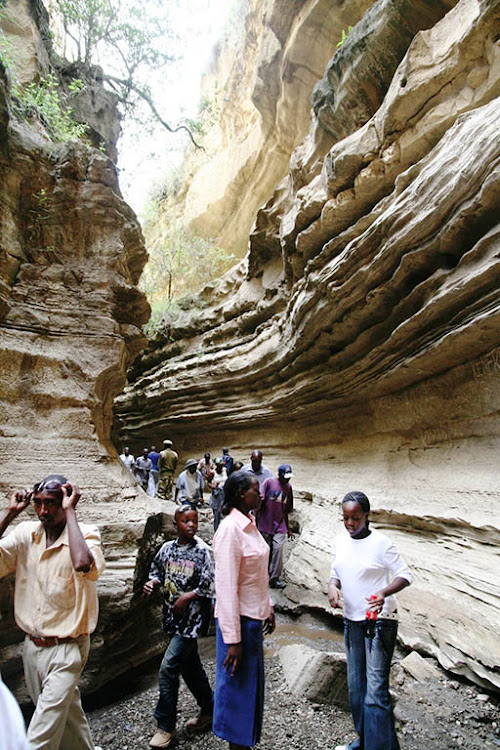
[(441, 713)]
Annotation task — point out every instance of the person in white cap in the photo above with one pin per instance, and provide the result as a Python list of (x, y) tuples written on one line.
[(190, 485), (167, 464), (272, 519)]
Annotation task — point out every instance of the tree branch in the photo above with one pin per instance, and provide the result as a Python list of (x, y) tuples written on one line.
[(130, 86)]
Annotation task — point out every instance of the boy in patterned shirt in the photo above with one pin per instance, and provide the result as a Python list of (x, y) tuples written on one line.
[(185, 570)]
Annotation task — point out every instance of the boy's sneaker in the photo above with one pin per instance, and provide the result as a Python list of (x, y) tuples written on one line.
[(163, 738), (200, 723), (275, 583)]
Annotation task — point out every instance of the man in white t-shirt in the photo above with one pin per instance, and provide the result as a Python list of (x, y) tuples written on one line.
[(127, 459)]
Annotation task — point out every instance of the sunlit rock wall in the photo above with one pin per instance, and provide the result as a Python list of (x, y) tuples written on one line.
[(256, 108), (71, 253), (360, 337)]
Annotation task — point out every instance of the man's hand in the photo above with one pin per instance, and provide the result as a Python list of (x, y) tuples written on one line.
[(71, 495), (233, 658), (19, 501), (149, 586)]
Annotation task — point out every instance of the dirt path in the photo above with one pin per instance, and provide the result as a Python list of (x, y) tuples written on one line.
[(442, 714)]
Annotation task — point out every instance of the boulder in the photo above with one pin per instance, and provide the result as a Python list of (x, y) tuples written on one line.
[(318, 676), (419, 668)]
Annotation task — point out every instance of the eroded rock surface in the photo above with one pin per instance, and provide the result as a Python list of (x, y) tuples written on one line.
[(71, 253), (360, 337)]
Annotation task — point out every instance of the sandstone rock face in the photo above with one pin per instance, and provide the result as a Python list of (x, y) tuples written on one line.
[(360, 337), (71, 253), (257, 94)]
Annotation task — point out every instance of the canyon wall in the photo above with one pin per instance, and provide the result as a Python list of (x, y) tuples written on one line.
[(359, 338), (71, 253), (256, 109)]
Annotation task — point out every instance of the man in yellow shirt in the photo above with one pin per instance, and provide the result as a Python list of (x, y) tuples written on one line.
[(57, 563)]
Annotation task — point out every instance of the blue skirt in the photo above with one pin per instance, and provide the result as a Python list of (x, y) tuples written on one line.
[(239, 700)]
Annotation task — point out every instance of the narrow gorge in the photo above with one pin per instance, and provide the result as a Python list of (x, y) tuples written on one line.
[(358, 337)]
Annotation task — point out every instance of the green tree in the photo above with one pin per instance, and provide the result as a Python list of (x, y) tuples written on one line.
[(128, 39), (180, 262)]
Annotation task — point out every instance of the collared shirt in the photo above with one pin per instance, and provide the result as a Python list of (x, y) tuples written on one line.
[(277, 503), (241, 576), (181, 568), (167, 463), (51, 598), (261, 475)]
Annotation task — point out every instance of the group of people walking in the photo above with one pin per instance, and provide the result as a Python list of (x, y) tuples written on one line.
[(367, 571), (153, 471)]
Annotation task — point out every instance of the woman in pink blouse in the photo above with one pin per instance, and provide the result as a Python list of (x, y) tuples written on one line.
[(243, 613)]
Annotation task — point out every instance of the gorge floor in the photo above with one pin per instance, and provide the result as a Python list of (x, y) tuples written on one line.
[(442, 713)]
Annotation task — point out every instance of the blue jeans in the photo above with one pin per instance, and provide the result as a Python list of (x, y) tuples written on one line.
[(181, 658), (368, 665)]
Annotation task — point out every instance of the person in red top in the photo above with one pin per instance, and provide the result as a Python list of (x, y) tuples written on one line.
[(272, 520)]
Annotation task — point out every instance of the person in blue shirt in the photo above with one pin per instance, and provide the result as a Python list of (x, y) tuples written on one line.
[(154, 474)]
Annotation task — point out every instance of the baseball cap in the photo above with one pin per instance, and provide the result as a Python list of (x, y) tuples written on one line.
[(285, 470)]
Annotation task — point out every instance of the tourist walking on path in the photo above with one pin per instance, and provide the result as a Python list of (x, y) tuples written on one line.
[(167, 464), (217, 487), (257, 469), (272, 519), (127, 459), (228, 461), (185, 571), (143, 466), (243, 612), (207, 469), (189, 486), (367, 571), (56, 618), (153, 456)]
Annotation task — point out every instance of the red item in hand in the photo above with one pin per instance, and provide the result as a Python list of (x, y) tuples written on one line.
[(371, 620), (371, 614)]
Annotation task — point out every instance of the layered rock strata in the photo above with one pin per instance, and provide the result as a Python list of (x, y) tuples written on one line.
[(360, 338), (256, 95), (71, 253)]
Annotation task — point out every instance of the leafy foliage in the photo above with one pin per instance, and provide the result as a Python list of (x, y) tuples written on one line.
[(180, 263), (344, 36), (129, 42), (44, 101)]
